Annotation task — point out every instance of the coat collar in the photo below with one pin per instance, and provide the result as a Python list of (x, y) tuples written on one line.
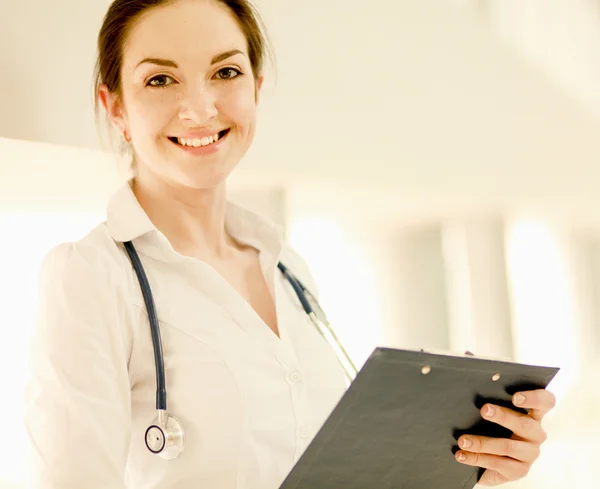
[(127, 221)]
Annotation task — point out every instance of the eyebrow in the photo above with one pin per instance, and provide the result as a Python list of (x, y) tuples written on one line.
[(171, 64)]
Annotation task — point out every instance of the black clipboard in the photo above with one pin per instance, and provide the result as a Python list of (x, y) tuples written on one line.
[(397, 425)]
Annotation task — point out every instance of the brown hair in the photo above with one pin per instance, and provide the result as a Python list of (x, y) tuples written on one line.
[(122, 14)]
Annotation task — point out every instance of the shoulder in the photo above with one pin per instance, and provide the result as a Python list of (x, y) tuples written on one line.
[(82, 295), (88, 263)]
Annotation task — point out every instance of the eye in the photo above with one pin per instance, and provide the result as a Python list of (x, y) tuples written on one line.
[(160, 81), (228, 73)]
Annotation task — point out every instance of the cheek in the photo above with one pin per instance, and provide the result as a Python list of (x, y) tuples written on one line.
[(150, 112), (240, 107)]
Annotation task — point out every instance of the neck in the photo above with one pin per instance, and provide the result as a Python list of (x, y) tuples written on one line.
[(193, 220)]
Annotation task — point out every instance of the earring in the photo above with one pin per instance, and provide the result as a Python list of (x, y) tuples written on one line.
[(127, 137)]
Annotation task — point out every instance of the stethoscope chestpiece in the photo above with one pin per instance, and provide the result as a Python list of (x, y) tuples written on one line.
[(165, 437)]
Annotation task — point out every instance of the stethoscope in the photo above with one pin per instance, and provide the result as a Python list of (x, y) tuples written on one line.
[(165, 437)]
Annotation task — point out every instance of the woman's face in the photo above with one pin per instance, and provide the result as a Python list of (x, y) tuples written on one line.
[(188, 94)]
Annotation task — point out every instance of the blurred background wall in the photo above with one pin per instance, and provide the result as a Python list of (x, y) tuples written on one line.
[(435, 161)]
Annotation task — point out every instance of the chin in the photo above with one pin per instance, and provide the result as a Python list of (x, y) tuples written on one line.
[(192, 171), (205, 178)]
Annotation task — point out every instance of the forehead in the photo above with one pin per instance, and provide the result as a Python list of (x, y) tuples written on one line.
[(196, 29)]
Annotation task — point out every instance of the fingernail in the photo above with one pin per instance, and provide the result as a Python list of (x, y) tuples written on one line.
[(519, 399), (461, 457), (490, 411), (466, 443)]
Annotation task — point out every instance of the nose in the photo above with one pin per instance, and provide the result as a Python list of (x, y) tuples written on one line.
[(199, 105)]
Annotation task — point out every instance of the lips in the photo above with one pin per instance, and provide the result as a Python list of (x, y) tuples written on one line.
[(199, 142)]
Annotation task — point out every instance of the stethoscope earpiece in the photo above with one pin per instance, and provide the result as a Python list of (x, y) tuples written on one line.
[(165, 437)]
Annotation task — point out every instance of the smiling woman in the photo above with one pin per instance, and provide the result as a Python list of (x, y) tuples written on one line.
[(167, 88), (249, 378)]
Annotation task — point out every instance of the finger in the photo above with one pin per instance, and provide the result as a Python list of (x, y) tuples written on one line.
[(540, 402), (521, 451), (508, 468), (523, 426), (492, 478)]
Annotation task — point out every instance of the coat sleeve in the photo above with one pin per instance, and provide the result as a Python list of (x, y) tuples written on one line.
[(77, 402)]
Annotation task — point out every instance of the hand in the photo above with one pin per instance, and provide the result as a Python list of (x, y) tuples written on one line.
[(508, 460)]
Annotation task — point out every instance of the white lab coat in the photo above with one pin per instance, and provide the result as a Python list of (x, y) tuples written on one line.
[(249, 402)]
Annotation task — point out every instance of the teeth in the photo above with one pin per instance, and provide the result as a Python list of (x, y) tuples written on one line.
[(196, 143)]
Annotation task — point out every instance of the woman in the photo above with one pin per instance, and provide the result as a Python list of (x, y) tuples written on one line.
[(248, 376)]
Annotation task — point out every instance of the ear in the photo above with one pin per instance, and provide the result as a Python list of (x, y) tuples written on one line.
[(114, 108), (259, 84)]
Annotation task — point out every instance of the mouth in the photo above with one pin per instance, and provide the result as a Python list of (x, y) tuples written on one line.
[(199, 143)]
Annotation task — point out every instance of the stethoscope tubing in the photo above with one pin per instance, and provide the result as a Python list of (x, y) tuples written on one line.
[(303, 294), (161, 389)]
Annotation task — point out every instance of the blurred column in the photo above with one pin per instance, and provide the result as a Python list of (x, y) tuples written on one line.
[(416, 292), (345, 255), (478, 299), (593, 327), (553, 280), (582, 257)]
